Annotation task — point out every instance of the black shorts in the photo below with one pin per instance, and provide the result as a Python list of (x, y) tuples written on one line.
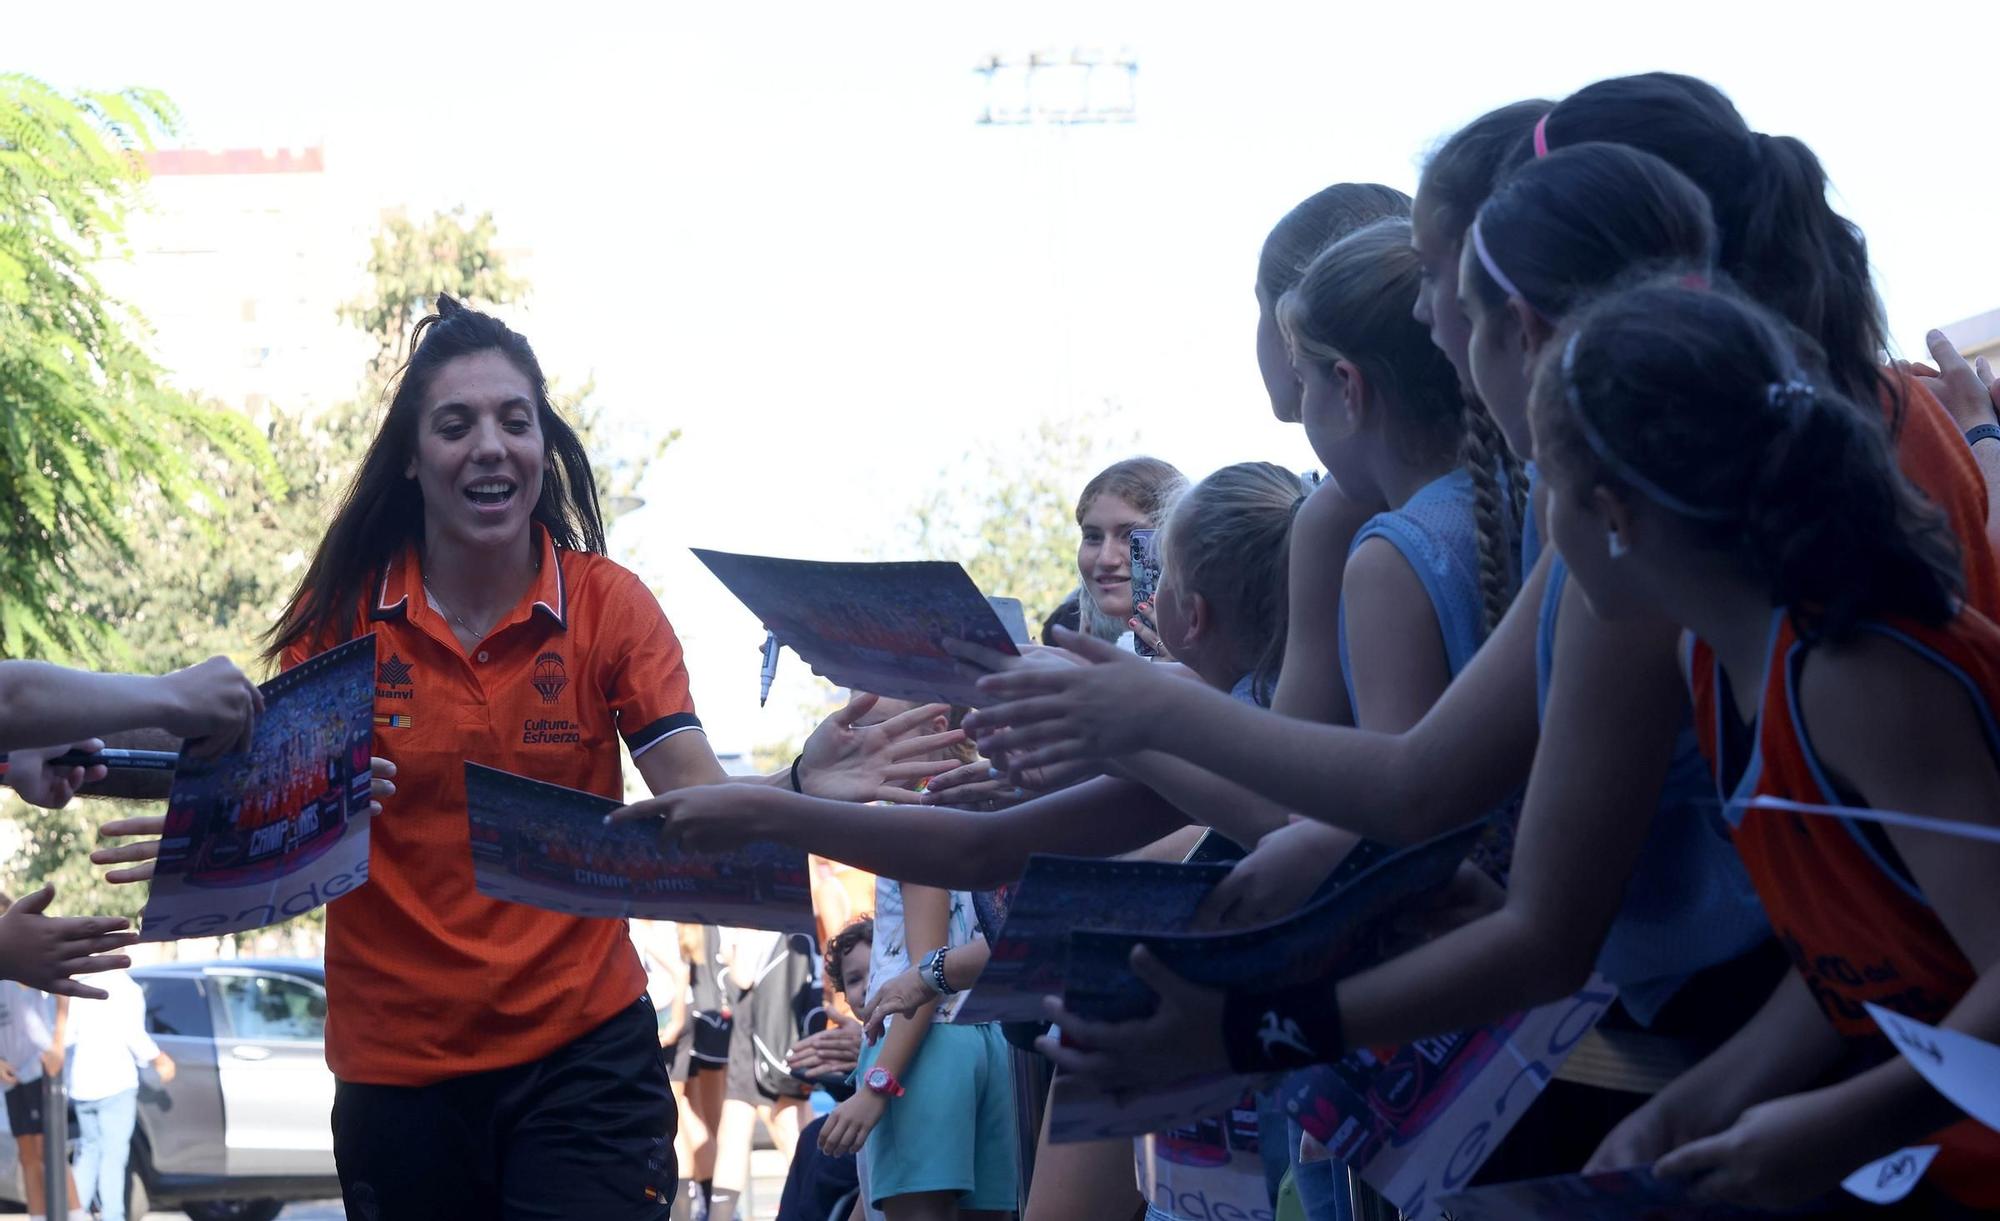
[(585, 1132), (24, 1109), (709, 1047)]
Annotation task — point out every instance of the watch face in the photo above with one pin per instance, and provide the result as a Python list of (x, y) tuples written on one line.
[(878, 1079)]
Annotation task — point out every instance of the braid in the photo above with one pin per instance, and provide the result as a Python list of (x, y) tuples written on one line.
[(1485, 456)]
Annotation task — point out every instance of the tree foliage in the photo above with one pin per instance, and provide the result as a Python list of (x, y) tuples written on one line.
[(411, 262), (196, 588), (87, 424), (1009, 517)]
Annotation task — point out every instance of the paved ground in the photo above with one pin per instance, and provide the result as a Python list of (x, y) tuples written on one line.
[(767, 1174)]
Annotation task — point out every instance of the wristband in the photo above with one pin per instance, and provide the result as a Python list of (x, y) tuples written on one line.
[(1982, 432), (796, 786), (934, 971), (1291, 1028)]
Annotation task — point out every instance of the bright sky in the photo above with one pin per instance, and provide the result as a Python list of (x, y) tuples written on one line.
[(777, 227)]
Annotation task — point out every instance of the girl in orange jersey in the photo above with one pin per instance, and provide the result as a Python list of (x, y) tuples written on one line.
[(1699, 466)]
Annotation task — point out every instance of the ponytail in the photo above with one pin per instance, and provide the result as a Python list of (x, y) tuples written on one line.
[(1229, 540), (1499, 506), (1781, 239), (1708, 409)]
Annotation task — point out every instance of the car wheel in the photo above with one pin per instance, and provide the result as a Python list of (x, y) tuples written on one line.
[(233, 1210)]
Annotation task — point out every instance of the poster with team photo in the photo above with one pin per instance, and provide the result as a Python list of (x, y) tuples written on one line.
[(257, 837), (548, 846), (870, 627), (1340, 931), (1056, 896)]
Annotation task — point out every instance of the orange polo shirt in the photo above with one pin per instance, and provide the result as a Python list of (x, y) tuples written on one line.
[(425, 978)]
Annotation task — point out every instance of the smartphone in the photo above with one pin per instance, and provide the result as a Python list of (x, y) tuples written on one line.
[(1012, 617), (1145, 584)]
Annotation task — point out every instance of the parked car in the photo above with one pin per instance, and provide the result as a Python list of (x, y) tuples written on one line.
[(245, 1127)]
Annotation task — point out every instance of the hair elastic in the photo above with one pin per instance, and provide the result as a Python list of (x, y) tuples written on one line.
[(1542, 135), (1493, 268), (1623, 469)]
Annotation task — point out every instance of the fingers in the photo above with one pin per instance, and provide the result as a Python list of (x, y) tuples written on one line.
[(856, 707), (1215, 909), (68, 987), (36, 903), (877, 1025), (899, 796), (977, 656), (123, 854), (660, 807), (1949, 362), (124, 828), (379, 788), (1026, 765), (93, 964), (1695, 1157), (381, 769), (1073, 1060), (977, 772), (1084, 645), (926, 744), (1020, 684), (915, 719), (137, 873)]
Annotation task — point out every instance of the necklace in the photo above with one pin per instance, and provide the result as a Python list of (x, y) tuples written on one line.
[(455, 616)]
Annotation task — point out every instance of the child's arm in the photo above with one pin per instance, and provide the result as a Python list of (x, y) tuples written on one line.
[(926, 926), (1206, 799), (45, 705), (1901, 732), (1787, 1046), (961, 849), (1473, 747), (52, 1055), (1309, 685), (910, 991)]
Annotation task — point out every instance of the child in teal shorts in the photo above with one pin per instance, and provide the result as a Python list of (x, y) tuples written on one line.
[(933, 1114)]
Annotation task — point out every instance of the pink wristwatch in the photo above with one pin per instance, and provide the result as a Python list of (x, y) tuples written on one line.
[(881, 1081)]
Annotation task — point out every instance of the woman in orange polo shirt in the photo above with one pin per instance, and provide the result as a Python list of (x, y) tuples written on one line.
[(496, 1060)]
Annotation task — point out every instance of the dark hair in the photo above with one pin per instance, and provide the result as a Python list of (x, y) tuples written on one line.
[(1317, 222), (383, 512), (1354, 303), (1709, 408), (1229, 539), (1780, 239), (1574, 223), (1460, 173), (859, 931)]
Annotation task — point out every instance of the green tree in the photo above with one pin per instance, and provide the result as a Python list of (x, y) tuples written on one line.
[(1010, 517), (194, 589), (90, 428), (410, 263)]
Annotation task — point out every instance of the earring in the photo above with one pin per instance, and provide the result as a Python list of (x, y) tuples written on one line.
[(1615, 543)]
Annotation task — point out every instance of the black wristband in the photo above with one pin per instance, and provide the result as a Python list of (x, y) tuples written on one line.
[(796, 760), (1982, 432), (1291, 1028)]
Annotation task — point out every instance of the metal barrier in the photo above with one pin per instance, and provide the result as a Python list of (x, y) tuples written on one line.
[(55, 1146)]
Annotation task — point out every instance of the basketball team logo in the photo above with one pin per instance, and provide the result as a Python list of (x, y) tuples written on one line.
[(549, 677)]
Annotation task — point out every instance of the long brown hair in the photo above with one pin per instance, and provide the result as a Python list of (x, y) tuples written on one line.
[(383, 512)]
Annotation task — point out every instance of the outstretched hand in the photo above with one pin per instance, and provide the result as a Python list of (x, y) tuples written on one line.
[(1182, 1038), (136, 861), (902, 996), (880, 762), (36, 780), (43, 951), (1968, 391), (710, 818), (1043, 716)]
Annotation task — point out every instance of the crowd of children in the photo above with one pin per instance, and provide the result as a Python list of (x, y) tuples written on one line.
[(1634, 548)]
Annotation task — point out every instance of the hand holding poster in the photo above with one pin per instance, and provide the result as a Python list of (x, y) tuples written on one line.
[(259, 836), (548, 846), (869, 627), (1060, 894)]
